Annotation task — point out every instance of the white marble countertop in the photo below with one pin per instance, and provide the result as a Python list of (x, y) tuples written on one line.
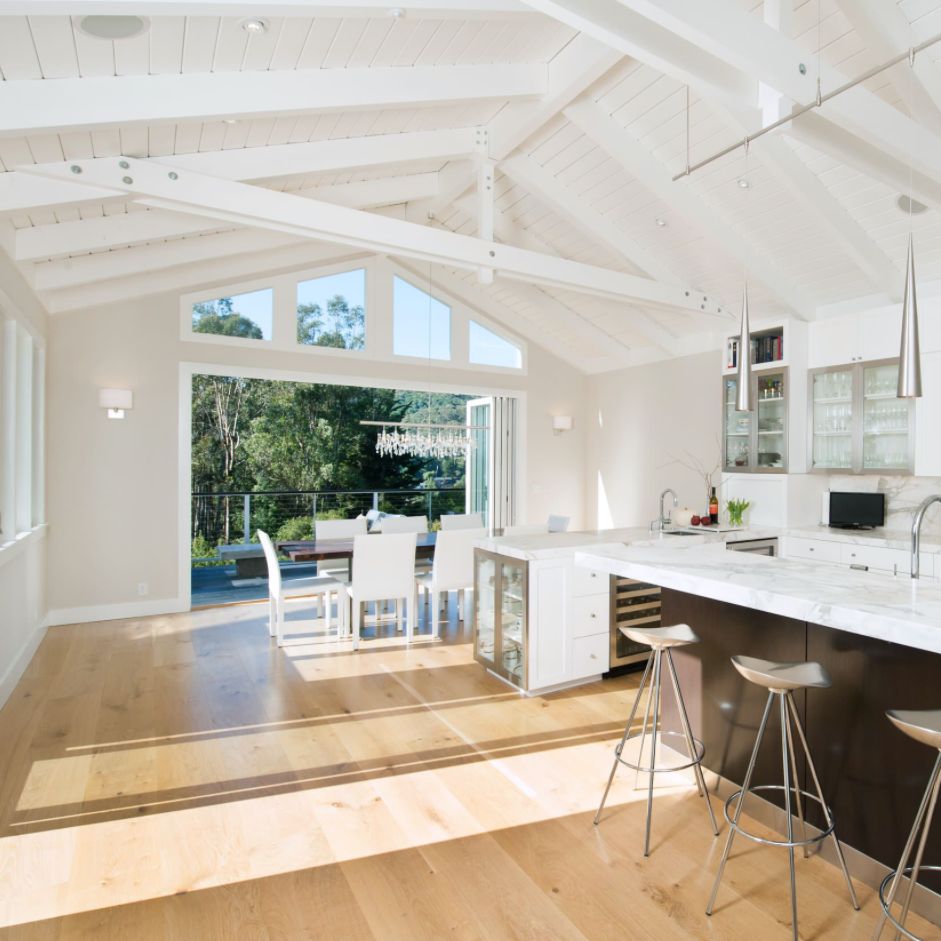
[(896, 609)]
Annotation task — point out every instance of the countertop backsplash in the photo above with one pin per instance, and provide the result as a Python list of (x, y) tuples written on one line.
[(902, 496)]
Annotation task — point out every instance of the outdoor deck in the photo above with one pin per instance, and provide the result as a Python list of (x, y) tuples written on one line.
[(220, 585)]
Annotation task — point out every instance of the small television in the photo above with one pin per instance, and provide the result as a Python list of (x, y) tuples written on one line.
[(856, 510)]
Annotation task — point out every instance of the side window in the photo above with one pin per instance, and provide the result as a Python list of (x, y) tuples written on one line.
[(487, 348), (247, 316), (331, 310), (421, 324)]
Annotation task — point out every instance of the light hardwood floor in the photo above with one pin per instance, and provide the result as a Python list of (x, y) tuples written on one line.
[(182, 778)]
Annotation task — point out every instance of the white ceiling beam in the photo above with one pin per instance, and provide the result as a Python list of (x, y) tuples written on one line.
[(243, 204), (886, 31), (735, 96), (151, 225), (192, 275), (32, 107), (347, 9), (531, 176), (652, 174), (726, 31), (20, 192), (576, 68)]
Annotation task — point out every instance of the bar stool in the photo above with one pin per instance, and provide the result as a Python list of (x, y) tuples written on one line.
[(661, 640), (924, 727), (781, 679)]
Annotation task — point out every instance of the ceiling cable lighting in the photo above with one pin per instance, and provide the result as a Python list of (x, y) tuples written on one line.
[(909, 386)]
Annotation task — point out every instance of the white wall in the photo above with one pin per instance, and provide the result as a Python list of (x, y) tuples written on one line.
[(22, 561), (641, 420), (114, 485)]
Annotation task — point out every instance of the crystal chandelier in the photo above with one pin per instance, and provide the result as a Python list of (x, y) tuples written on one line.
[(422, 439)]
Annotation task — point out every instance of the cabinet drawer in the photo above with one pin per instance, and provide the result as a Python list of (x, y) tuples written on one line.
[(590, 655), (589, 582), (590, 614), (796, 547), (884, 559)]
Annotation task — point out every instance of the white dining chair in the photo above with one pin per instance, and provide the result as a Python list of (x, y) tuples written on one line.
[(526, 530), (318, 586), (405, 524), (326, 530), (462, 521), (452, 569), (383, 570)]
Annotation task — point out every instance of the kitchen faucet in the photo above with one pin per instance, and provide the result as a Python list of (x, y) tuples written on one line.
[(916, 532), (659, 523)]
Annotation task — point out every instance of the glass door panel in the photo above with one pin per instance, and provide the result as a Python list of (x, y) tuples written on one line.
[(737, 448), (833, 419), (772, 420), (512, 614), (485, 602), (886, 420)]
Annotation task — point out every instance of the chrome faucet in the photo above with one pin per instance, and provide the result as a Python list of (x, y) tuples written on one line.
[(660, 523), (916, 532)]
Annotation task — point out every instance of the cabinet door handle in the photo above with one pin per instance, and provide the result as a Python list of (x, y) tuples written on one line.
[(593, 614), (811, 548), (592, 656)]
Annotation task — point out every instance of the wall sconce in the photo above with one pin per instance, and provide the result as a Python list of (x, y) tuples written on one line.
[(561, 423), (115, 401)]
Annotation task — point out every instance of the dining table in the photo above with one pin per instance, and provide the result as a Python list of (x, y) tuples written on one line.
[(320, 550)]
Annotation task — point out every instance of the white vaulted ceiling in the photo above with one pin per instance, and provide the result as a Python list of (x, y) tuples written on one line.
[(579, 107)]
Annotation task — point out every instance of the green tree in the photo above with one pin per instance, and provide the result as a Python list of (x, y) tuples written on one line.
[(343, 326), (219, 317)]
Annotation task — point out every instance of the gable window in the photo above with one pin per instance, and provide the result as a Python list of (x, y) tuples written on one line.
[(421, 324), (331, 310), (487, 348), (247, 316)]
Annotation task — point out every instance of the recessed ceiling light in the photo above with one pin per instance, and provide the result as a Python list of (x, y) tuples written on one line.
[(743, 183), (661, 222), (910, 205), (397, 12), (255, 25), (113, 27), (229, 121)]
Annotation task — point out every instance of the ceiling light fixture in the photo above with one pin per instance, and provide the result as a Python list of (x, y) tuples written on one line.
[(229, 121), (743, 183), (910, 206), (661, 223), (113, 27), (397, 13), (255, 25)]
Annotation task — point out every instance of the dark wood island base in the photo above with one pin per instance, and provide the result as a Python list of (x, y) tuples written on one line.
[(872, 776)]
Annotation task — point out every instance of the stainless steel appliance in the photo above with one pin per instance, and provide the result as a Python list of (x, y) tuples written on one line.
[(632, 602), (757, 546)]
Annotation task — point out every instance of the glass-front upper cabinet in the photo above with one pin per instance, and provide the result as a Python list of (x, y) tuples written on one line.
[(500, 615), (857, 422), (756, 441)]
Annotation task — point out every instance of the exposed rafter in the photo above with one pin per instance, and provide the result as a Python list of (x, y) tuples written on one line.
[(243, 204), (31, 107), (20, 192), (134, 228), (643, 166)]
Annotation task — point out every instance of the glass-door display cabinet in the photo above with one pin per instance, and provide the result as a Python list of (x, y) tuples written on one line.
[(857, 423), (500, 621), (756, 441)]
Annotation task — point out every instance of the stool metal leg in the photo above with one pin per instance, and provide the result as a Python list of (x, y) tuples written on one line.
[(823, 804), (688, 732), (657, 669), (643, 728), (741, 801), (928, 800), (785, 762), (797, 789), (627, 730), (919, 856)]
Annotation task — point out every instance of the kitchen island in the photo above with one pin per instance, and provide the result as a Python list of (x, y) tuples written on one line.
[(878, 636)]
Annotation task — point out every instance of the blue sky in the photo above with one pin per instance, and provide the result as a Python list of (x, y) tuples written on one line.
[(256, 306), (351, 284), (488, 349), (410, 328)]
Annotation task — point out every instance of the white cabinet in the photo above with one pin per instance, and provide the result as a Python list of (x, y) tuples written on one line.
[(589, 655), (887, 560), (928, 418), (820, 550), (856, 338)]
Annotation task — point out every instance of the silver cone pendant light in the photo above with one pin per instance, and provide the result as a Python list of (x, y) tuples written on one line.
[(909, 353), (743, 398)]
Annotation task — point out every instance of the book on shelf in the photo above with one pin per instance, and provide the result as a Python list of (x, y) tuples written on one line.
[(769, 349)]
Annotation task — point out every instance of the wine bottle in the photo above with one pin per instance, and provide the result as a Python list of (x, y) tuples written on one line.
[(714, 507)]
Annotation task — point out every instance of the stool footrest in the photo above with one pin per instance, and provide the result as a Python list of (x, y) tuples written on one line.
[(884, 885), (665, 769), (809, 841)]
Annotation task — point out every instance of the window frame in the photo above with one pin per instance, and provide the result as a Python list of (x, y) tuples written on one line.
[(500, 334), (406, 357), (188, 301), (326, 271)]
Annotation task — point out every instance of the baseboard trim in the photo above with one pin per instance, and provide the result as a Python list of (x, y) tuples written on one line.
[(115, 612), (21, 661)]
